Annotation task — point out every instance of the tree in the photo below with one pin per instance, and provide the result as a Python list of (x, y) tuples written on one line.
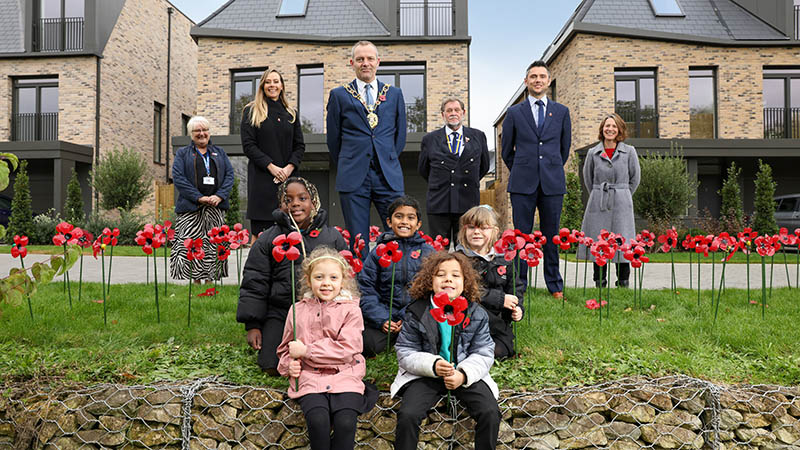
[(122, 178), (73, 210), (233, 215), (764, 212), (572, 209), (732, 212), (662, 194), (21, 221), (415, 115)]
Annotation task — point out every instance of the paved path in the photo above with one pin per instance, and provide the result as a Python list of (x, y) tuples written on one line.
[(131, 269)]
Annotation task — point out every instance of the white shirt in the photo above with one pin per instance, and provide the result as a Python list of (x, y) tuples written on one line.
[(535, 107), (363, 92), (449, 131)]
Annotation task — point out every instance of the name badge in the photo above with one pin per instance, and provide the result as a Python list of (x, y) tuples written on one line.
[(208, 180)]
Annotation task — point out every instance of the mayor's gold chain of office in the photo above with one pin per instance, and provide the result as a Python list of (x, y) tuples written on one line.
[(372, 118)]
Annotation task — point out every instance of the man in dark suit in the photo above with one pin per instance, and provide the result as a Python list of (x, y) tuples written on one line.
[(452, 159), (366, 133), (536, 138)]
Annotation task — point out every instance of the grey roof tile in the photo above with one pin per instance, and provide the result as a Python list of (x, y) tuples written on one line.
[(700, 19), (11, 30), (331, 18)]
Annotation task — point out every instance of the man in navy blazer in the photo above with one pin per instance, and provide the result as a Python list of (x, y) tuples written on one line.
[(452, 159), (366, 133), (537, 134)]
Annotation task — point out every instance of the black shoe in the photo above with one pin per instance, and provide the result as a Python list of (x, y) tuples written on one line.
[(623, 283), (598, 283)]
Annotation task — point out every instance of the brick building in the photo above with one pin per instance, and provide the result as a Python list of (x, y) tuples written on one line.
[(79, 78), (423, 46), (719, 78)]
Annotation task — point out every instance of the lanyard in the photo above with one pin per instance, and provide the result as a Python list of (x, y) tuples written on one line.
[(206, 161), (450, 144)]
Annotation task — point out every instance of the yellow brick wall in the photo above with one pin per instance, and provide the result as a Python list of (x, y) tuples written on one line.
[(446, 70)]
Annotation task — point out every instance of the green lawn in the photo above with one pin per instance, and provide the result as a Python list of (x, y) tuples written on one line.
[(562, 345), (683, 257), (119, 250)]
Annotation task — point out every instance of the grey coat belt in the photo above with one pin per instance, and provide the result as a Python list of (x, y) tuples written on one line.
[(607, 201)]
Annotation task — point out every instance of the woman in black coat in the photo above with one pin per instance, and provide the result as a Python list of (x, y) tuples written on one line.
[(273, 143)]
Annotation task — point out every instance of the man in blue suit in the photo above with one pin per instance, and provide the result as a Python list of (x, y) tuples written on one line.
[(536, 138), (366, 133)]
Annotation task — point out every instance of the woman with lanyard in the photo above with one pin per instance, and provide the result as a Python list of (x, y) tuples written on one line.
[(203, 176)]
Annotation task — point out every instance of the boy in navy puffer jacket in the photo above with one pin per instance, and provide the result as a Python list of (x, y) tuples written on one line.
[(375, 281)]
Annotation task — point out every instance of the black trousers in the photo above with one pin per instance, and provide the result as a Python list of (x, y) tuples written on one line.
[(445, 225), (375, 341), (271, 336), (257, 226), (623, 272), (421, 394), (523, 207), (321, 417)]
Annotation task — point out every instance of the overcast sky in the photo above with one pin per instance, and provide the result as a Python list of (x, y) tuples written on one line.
[(506, 35)]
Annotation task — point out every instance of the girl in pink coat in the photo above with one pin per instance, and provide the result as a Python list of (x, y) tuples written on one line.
[(326, 359)]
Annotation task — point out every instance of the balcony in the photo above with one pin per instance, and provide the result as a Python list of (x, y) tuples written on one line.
[(426, 18), (34, 127), (641, 125), (61, 34), (776, 121)]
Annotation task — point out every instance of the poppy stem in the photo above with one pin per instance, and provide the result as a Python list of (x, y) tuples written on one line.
[(585, 267), (155, 284), (564, 288), (600, 300), (672, 264), (713, 278), (166, 278), (30, 307), (786, 266), (698, 280), (771, 272), (103, 285), (110, 262), (641, 280), (719, 291), (528, 295), (189, 313), (763, 286), (391, 301), (576, 268), (690, 271), (294, 323), (80, 278), (66, 277), (747, 256)]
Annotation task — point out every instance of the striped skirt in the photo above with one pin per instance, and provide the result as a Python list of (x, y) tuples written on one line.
[(194, 225)]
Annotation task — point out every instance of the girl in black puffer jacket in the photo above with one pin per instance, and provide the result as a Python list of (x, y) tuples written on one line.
[(265, 295), (500, 297)]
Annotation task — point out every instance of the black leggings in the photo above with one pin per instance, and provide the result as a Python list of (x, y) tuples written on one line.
[(319, 421)]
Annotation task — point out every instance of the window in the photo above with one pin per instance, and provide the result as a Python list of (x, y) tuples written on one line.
[(636, 101), (666, 8), (292, 8), (411, 79), (426, 18), (59, 26), (185, 124), (158, 108), (781, 103), (35, 103), (243, 89), (310, 94), (702, 104)]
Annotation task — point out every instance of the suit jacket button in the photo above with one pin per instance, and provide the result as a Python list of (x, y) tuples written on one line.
[(465, 184), (540, 143), (540, 157), (452, 184), (466, 171), (452, 171), (471, 159)]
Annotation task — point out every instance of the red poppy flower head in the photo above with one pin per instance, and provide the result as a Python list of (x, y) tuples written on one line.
[(563, 233), (450, 310), (415, 254), (98, 246), (18, 250), (210, 292), (374, 232), (237, 227), (355, 263), (501, 270), (284, 246), (592, 304), (314, 233)]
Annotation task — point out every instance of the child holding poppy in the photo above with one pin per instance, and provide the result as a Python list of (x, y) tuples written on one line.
[(479, 231), (423, 352), (375, 281), (325, 358), (265, 295)]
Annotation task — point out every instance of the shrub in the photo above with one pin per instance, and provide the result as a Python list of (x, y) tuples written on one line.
[(73, 210), (21, 220), (122, 179), (764, 207), (44, 227), (662, 195), (732, 212), (572, 209), (128, 223), (234, 215)]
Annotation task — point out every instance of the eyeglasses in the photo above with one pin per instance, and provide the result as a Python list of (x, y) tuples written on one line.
[(482, 228), (200, 130)]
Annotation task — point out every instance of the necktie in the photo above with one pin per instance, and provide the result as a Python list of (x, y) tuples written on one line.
[(454, 143), (540, 114), (367, 88)]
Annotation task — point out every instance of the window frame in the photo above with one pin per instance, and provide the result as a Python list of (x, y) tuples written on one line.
[(185, 118), (636, 74), (300, 76), (408, 68), (280, 6), (662, 14), (158, 130), (715, 88), (38, 82), (235, 122), (787, 74)]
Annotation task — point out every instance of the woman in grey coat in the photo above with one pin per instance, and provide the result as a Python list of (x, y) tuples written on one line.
[(611, 175)]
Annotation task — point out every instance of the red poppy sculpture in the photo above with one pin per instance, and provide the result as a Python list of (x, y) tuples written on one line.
[(67, 234), (151, 238), (194, 252), (284, 247), (452, 311), (765, 246), (389, 254), (19, 250)]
